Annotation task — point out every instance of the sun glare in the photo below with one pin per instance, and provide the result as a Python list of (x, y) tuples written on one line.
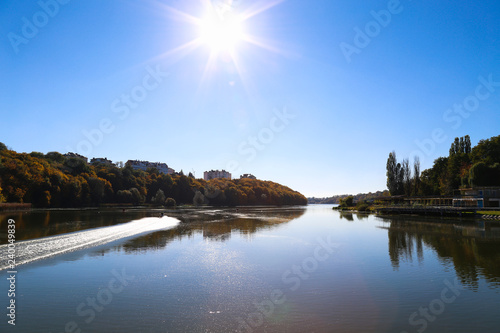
[(221, 33), (223, 29)]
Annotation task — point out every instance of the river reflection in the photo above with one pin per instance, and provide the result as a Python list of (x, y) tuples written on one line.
[(349, 216), (473, 248), (215, 225), (43, 223), (217, 270)]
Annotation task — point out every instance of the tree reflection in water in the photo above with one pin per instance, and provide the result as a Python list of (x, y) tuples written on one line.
[(216, 225), (472, 247)]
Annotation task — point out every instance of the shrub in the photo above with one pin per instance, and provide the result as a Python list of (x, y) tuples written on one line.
[(347, 202), (362, 206), (159, 198), (170, 202)]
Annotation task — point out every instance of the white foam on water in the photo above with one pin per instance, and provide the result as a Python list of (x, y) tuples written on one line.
[(41, 248)]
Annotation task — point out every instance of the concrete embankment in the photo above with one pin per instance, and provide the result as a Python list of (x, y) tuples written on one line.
[(486, 214)]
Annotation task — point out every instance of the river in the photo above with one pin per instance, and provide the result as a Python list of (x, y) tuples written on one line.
[(295, 269)]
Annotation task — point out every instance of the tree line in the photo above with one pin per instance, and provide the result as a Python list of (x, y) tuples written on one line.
[(360, 197), (465, 166), (54, 180)]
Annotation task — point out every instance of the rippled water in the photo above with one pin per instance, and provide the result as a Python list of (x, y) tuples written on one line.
[(272, 270)]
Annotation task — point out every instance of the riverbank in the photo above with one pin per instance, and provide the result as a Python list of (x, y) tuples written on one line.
[(468, 212), (14, 206)]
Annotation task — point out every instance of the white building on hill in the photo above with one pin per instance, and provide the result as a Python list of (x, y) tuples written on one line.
[(144, 165), (212, 174), (100, 160)]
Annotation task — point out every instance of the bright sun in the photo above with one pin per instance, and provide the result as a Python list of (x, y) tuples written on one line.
[(225, 30), (221, 33)]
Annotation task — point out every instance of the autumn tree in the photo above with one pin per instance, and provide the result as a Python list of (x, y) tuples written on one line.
[(2, 198), (53, 180), (170, 202)]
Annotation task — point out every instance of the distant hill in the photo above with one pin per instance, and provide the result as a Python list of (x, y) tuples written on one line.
[(358, 197), (54, 180)]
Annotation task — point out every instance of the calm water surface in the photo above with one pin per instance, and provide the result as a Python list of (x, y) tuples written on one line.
[(259, 270)]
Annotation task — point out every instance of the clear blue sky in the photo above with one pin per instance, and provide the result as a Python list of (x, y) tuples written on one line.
[(354, 96)]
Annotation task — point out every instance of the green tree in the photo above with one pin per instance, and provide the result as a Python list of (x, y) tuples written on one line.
[(487, 151), (159, 198), (124, 196), (481, 174), (96, 186), (137, 197), (76, 166), (455, 147), (55, 157), (37, 154), (185, 192), (406, 175), (153, 170), (231, 194), (199, 199), (458, 164), (468, 146), (416, 176), (399, 179), (347, 201), (72, 192), (392, 173), (397, 174), (362, 206), (433, 180)]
